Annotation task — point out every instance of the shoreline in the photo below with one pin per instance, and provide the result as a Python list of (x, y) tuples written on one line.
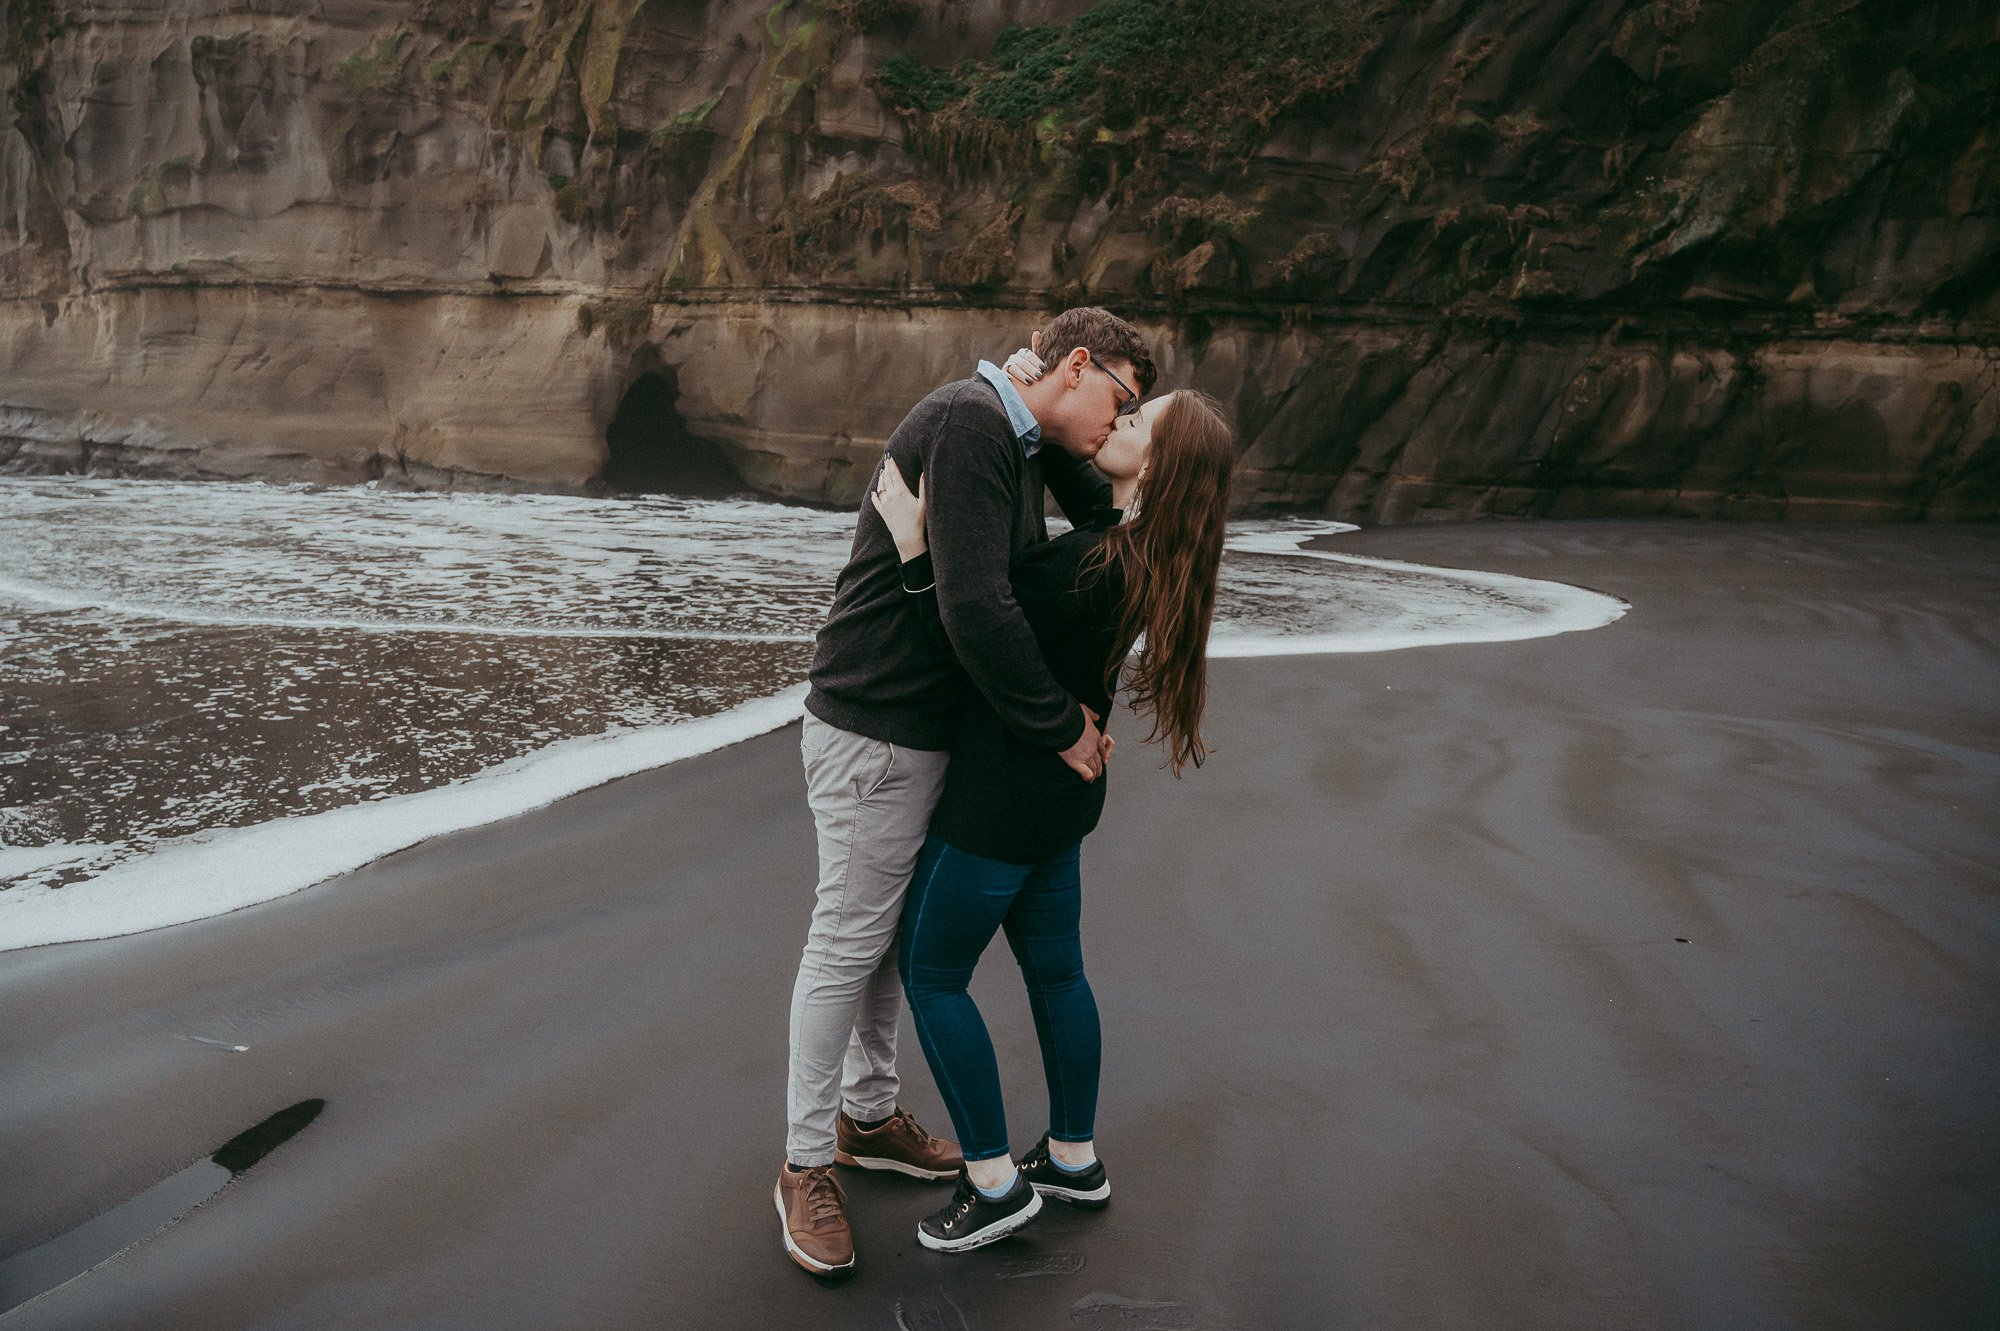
[(217, 870), (1398, 1027)]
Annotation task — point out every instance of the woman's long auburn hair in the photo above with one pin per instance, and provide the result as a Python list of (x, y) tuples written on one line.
[(1169, 553)]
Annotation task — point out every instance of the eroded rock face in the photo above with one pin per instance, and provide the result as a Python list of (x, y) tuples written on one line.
[(1590, 258)]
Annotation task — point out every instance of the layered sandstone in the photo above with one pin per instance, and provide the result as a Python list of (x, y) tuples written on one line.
[(1507, 258)]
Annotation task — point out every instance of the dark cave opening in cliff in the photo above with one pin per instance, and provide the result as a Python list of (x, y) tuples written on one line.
[(653, 451)]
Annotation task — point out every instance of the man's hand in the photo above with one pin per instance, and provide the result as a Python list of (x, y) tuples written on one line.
[(1086, 756)]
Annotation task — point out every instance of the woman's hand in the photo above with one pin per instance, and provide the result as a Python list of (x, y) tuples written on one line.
[(901, 510), (1024, 366)]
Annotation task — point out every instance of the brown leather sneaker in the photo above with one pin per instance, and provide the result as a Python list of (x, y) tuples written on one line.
[(898, 1144), (814, 1210)]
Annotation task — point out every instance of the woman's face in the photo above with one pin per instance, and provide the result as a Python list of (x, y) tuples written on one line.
[(1124, 454)]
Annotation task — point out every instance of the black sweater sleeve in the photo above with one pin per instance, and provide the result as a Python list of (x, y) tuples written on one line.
[(1095, 615), (1079, 489), (921, 583), (1008, 800), (975, 484)]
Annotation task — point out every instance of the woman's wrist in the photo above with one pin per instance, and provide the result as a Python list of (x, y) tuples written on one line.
[(917, 573), (910, 548)]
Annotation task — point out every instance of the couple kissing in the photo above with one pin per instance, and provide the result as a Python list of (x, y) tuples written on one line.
[(955, 757)]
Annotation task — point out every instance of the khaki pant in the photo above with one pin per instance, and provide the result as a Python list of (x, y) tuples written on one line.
[(871, 804)]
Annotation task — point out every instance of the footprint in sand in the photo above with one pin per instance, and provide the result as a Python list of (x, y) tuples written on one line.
[(929, 1312), (1113, 1310), (1040, 1264)]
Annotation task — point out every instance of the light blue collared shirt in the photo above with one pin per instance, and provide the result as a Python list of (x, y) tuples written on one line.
[(1026, 428)]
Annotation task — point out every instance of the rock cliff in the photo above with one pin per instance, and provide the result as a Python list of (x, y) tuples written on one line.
[(1459, 258)]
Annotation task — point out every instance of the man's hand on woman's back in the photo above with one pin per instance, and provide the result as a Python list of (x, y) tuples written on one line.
[(1086, 756)]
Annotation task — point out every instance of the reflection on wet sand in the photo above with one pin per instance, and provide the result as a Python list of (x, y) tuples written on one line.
[(41, 1268)]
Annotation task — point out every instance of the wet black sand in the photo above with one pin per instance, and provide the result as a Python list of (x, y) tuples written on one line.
[(1399, 1031)]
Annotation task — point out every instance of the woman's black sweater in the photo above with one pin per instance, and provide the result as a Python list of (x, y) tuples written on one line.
[(1004, 798)]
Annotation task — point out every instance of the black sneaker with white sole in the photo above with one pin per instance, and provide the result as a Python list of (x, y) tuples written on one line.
[(1088, 1189), (971, 1220)]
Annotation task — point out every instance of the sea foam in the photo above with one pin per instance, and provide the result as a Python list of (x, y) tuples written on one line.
[(211, 873), (1428, 606)]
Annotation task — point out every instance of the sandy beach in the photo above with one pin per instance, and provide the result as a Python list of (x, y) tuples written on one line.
[(1640, 977)]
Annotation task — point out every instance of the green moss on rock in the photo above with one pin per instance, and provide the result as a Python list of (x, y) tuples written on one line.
[(375, 67), (572, 202), (684, 125)]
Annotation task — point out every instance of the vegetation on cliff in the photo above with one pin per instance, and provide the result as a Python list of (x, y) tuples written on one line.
[(872, 15), (1207, 77), (574, 42), (808, 234), (28, 25), (1507, 159), (1262, 153)]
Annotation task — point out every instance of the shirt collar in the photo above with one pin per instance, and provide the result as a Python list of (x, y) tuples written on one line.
[(1026, 428)]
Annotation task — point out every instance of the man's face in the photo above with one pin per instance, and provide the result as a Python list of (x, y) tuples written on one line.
[(1093, 405)]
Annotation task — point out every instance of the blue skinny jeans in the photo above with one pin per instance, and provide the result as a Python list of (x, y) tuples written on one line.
[(956, 902)]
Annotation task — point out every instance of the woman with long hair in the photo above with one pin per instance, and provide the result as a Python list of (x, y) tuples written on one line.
[(1003, 850)]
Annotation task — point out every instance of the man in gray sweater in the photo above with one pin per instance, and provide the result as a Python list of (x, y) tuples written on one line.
[(880, 715)]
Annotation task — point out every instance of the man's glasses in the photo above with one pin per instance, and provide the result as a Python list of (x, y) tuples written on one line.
[(1131, 402)]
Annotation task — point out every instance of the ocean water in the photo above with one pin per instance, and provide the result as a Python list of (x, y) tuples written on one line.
[(209, 692)]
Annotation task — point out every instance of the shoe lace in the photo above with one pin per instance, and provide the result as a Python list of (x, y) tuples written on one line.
[(911, 1126), (824, 1200)]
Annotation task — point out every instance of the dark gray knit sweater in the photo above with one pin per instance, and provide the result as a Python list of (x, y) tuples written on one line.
[(875, 670)]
